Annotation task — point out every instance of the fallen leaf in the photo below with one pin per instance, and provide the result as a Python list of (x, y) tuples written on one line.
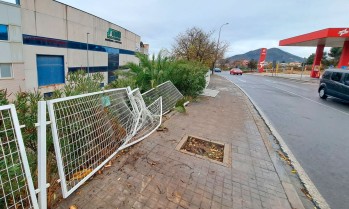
[(81, 174), (73, 207)]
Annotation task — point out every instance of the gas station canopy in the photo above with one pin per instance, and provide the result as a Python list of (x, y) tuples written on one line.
[(330, 37)]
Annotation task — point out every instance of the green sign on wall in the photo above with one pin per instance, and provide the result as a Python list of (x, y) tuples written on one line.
[(114, 35)]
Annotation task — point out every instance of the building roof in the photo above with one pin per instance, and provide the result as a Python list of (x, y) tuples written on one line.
[(330, 37)]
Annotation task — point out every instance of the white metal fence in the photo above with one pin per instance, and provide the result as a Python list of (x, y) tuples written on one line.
[(88, 130), (169, 93), (16, 186), (149, 117)]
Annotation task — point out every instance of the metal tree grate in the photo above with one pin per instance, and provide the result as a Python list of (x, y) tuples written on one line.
[(16, 190), (169, 93), (88, 130)]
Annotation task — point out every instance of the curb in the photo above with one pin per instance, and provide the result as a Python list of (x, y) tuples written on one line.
[(309, 185)]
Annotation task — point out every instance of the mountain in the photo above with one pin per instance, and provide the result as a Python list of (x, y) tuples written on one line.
[(272, 54)]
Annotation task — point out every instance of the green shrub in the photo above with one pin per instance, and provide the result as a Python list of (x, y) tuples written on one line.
[(187, 76), (125, 79)]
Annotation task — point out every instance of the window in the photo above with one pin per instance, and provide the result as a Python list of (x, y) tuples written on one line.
[(4, 32), (326, 75), (5, 71), (346, 79), (336, 76), (50, 69)]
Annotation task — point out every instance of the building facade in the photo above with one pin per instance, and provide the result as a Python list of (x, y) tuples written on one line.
[(12, 75), (48, 39)]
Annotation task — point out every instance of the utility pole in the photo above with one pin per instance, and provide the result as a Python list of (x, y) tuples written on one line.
[(219, 36), (88, 65)]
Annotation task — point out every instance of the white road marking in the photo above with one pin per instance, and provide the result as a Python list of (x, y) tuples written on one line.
[(312, 100), (241, 80)]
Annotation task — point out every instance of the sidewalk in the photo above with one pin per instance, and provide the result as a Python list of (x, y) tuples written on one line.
[(153, 174), (295, 77)]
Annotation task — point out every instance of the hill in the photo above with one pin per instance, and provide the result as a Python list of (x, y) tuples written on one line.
[(272, 54)]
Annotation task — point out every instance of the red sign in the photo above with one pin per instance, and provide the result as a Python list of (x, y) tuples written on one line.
[(261, 62)]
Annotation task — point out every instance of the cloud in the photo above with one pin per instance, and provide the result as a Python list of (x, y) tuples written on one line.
[(252, 24)]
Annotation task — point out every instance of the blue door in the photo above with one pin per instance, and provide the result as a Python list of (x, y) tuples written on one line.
[(50, 69)]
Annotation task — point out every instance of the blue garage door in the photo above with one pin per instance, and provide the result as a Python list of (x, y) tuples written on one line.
[(50, 69)]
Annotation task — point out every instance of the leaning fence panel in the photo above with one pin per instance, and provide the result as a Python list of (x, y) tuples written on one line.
[(88, 130), (149, 117), (169, 93), (16, 190)]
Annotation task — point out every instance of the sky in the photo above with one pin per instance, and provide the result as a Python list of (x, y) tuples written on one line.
[(252, 24)]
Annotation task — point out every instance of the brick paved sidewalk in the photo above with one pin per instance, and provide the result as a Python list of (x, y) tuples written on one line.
[(153, 174)]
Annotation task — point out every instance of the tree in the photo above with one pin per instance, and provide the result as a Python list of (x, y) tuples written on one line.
[(335, 54), (310, 59), (197, 45), (252, 64)]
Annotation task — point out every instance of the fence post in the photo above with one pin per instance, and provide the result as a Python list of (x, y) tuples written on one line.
[(42, 178)]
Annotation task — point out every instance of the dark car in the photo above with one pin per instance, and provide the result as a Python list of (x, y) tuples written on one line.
[(235, 71), (334, 82), (218, 70)]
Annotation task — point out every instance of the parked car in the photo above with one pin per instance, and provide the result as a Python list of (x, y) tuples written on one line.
[(235, 71), (217, 70), (334, 82)]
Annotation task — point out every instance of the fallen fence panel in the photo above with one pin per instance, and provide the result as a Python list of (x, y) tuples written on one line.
[(169, 93), (88, 130), (16, 185)]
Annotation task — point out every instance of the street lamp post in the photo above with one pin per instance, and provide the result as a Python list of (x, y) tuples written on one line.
[(88, 65), (219, 37)]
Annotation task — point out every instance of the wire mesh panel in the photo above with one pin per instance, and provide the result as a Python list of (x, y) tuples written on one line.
[(169, 93), (149, 118), (16, 186), (88, 130)]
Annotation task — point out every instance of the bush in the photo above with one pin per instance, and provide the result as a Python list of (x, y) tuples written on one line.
[(187, 76)]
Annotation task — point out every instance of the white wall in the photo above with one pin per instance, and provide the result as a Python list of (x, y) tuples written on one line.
[(11, 50), (56, 20)]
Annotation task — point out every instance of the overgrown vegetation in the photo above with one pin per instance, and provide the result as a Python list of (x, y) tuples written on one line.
[(187, 76)]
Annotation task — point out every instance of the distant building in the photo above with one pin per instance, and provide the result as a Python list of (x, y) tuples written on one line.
[(42, 40), (295, 64)]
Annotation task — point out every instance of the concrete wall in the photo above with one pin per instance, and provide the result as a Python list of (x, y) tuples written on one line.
[(51, 19), (11, 50)]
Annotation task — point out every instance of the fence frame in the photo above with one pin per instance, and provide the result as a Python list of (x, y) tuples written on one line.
[(22, 151), (153, 89)]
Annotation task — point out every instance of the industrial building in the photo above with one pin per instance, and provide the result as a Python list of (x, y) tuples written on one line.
[(42, 40)]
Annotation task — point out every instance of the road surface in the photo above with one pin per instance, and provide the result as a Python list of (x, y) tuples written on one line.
[(315, 130)]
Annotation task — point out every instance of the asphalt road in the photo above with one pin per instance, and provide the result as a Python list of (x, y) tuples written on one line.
[(315, 130)]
